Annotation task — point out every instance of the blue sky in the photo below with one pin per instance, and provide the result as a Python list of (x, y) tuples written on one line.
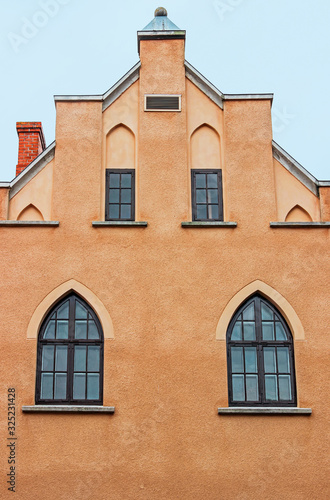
[(242, 46)]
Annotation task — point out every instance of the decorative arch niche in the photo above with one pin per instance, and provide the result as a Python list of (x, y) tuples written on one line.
[(298, 214), (61, 291), (273, 296), (120, 147), (30, 213), (205, 148)]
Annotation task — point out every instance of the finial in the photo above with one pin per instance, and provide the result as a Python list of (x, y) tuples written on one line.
[(160, 12)]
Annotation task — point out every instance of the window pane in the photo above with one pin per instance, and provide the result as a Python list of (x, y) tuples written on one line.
[(46, 386), (237, 364), (61, 358), (92, 330), (212, 196), (284, 385), (280, 332), (266, 313), (237, 331), (81, 311), (60, 386), (114, 180), (252, 393), (213, 211), (201, 212), (126, 180), (200, 195), (125, 211), (93, 364), (248, 313), (269, 360), (93, 386), (268, 331), (283, 361), (250, 360), (81, 329), (47, 364), (238, 388), (126, 196), (271, 387), (249, 331), (80, 358), (200, 180), (63, 311), (114, 196), (50, 330), (62, 330), (212, 180), (79, 386), (114, 211)]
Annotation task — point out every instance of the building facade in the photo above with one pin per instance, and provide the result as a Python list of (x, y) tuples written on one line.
[(164, 297)]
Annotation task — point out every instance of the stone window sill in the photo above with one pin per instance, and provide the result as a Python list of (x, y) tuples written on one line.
[(27, 223), (68, 409), (200, 224), (292, 225), (254, 410), (119, 223)]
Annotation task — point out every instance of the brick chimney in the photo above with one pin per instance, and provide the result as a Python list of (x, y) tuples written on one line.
[(31, 142)]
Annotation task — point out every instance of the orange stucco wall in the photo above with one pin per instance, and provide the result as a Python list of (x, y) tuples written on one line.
[(291, 193), (165, 289)]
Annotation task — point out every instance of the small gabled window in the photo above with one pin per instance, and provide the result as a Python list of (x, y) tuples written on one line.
[(260, 357), (120, 195), (207, 195), (70, 355)]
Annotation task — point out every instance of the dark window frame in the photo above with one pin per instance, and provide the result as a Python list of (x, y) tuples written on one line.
[(108, 172), (71, 342), (260, 345), (217, 171)]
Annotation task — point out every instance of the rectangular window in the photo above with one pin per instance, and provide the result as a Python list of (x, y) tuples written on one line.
[(207, 195), (160, 102), (120, 194)]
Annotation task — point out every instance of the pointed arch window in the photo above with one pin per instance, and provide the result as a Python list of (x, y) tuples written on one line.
[(70, 355), (260, 357)]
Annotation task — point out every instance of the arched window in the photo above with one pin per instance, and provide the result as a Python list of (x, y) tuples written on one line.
[(70, 355), (260, 357)]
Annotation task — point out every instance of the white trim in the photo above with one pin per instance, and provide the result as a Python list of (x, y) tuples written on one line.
[(4, 184), (123, 84), (288, 162), (162, 95), (204, 85), (32, 170), (246, 97), (68, 409), (58, 98), (264, 410)]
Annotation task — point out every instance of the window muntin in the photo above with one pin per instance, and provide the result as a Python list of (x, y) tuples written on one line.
[(207, 195), (70, 355), (260, 357), (120, 194)]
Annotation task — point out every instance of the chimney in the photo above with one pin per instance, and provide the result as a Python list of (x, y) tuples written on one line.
[(31, 142)]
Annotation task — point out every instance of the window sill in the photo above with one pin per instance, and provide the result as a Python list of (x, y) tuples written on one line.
[(209, 224), (27, 223), (119, 223), (292, 225), (254, 410), (68, 409)]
